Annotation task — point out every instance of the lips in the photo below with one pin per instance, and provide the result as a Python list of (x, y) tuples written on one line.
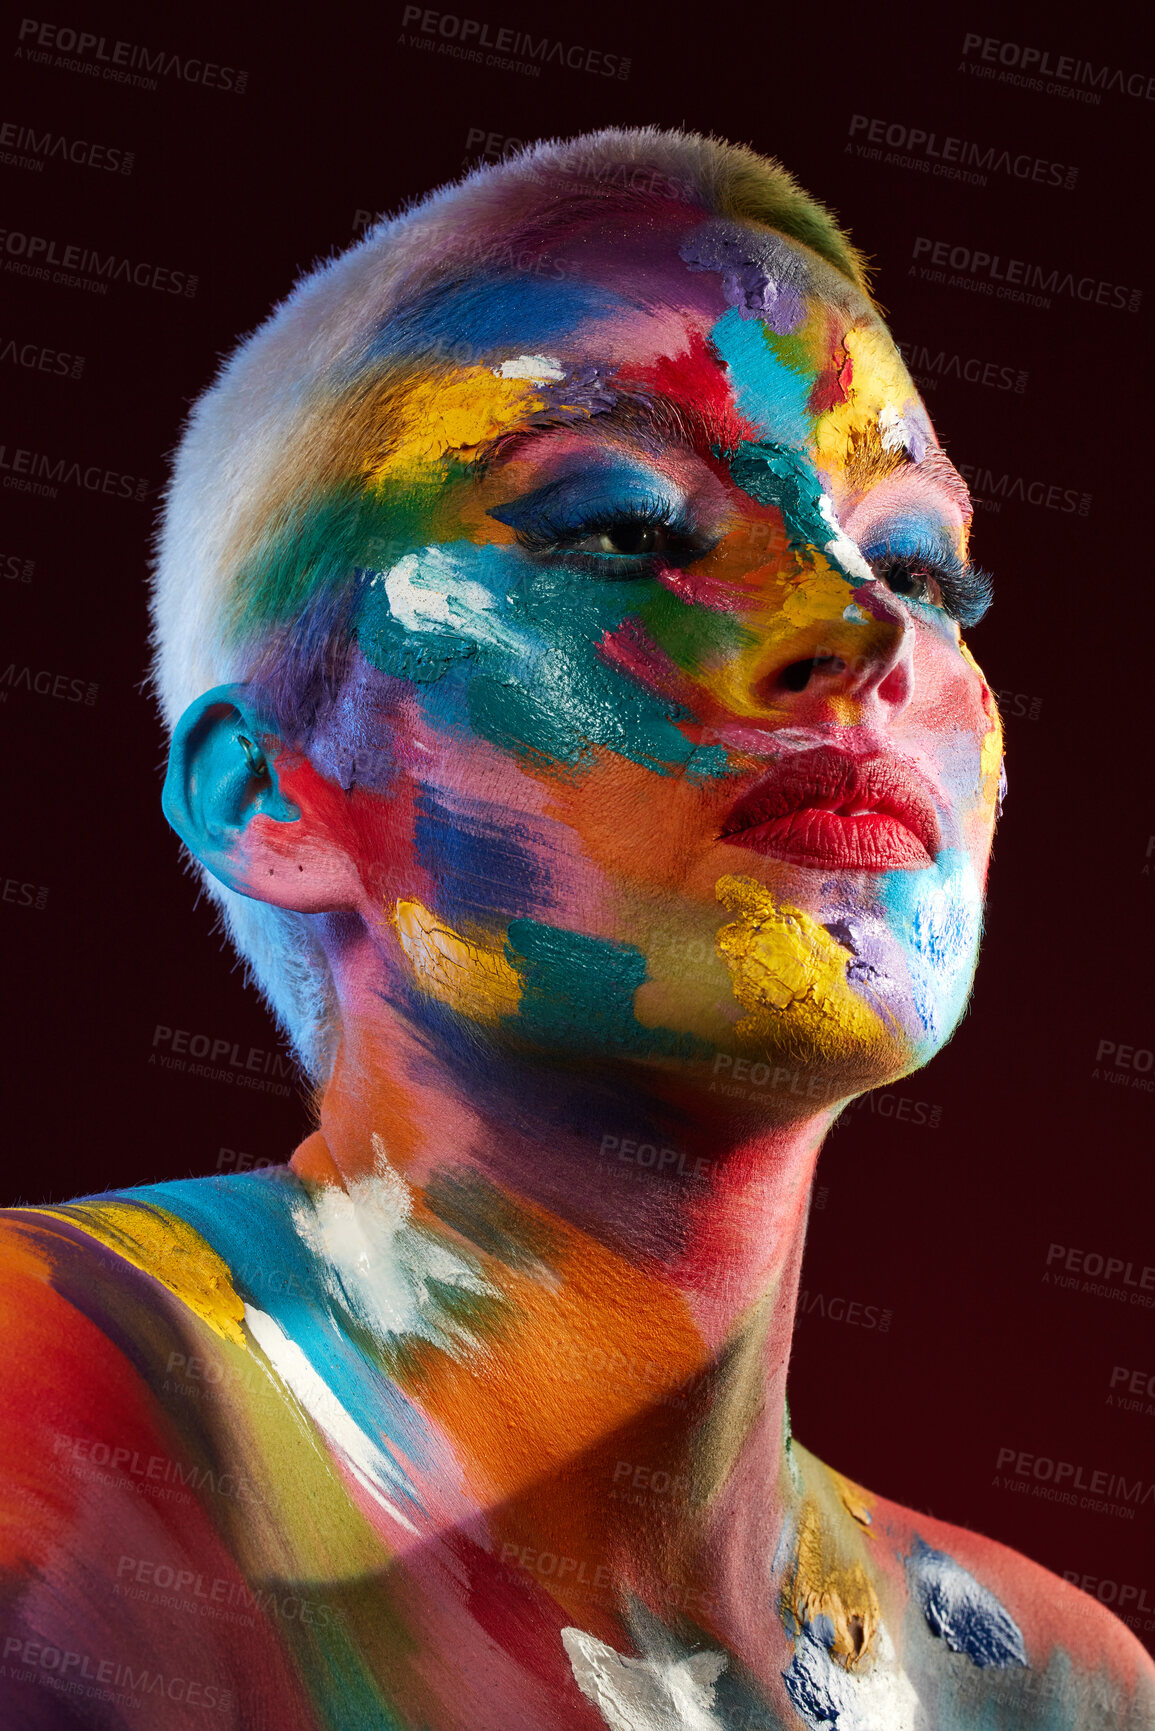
[(830, 808)]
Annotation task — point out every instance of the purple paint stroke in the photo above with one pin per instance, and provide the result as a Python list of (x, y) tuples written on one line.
[(759, 276)]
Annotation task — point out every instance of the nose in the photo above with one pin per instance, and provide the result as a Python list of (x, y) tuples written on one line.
[(853, 670)]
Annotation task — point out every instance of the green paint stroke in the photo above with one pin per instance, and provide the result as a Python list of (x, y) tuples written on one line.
[(315, 542), (695, 638), (488, 1217)]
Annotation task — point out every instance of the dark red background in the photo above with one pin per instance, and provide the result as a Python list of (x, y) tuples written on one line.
[(946, 1227)]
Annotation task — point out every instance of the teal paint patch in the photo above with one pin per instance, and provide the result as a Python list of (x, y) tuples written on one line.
[(538, 682), (578, 996), (774, 475), (423, 657), (573, 698), (438, 605), (316, 542), (769, 393)]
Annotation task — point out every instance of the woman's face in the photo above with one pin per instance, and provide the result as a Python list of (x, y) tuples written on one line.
[(667, 743)]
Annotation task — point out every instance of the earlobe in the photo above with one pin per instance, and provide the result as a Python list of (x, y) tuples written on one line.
[(223, 795)]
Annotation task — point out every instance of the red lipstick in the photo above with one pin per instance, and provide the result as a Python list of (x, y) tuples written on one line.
[(828, 808)]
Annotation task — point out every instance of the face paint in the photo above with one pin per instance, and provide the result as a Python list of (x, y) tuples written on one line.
[(474, 981), (529, 629), (789, 975)]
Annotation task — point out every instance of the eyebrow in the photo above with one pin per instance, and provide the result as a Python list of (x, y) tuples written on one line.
[(659, 421), (937, 468), (652, 420)]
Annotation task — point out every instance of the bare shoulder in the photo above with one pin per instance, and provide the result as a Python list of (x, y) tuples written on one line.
[(986, 1635)]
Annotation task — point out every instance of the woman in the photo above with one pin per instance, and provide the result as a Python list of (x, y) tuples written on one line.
[(559, 616)]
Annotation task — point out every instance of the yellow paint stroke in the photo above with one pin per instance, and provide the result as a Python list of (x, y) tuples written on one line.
[(774, 605), (855, 1501), (825, 1582), (468, 977), (168, 1248), (784, 966), (818, 597), (452, 416), (879, 379)]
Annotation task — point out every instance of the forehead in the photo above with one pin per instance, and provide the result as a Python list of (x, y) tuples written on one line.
[(741, 330), (624, 284)]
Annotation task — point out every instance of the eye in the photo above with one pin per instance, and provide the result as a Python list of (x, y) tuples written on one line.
[(935, 577), (638, 539), (628, 540), (913, 581)]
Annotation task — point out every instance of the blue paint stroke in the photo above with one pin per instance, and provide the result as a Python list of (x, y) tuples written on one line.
[(961, 1611), (769, 393)]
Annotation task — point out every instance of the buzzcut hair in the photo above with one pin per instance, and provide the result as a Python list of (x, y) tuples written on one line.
[(252, 581)]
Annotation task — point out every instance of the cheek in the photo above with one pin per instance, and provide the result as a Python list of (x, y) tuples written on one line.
[(959, 719)]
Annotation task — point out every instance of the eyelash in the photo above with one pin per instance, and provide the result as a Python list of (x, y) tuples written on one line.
[(965, 591), (549, 536)]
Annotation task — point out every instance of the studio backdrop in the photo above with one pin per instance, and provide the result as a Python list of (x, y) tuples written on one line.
[(978, 1306)]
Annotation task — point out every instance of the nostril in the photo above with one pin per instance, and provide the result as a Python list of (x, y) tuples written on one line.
[(797, 676)]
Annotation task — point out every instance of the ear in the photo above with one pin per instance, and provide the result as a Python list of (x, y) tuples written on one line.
[(225, 796)]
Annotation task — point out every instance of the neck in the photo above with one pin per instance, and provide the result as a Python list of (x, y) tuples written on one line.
[(627, 1415)]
